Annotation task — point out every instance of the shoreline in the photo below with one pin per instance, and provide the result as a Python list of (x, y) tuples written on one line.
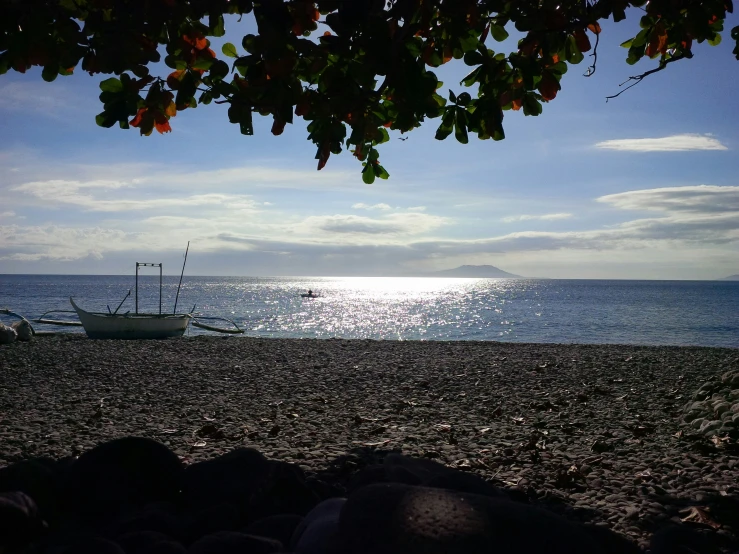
[(590, 431)]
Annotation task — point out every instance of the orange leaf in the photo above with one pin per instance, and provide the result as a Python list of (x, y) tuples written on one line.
[(594, 28), (323, 153), (303, 106), (161, 123), (528, 45), (327, 34), (582, 41), (555, 58), (517, 103), (170, 110), (136, 121), (548, 86), (657, 41), (447, 54), (196, 40)]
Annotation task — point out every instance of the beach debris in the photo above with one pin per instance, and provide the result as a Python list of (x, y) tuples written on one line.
[(7, 334), (699, 515), (211, 431)]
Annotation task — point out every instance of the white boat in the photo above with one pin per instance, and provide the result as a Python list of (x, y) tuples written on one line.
[(100, 325)]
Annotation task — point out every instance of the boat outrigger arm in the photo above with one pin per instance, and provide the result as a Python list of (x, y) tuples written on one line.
[(6, 311)]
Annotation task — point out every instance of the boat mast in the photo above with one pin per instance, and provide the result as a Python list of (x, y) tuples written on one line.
[(141, 264), (181, 274)]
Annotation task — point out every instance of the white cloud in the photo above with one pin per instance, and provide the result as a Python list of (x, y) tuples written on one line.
[(353, 227), (7, 214), (707, 199), (544, 217), (674, 143), (417, 209), (49, 99), (363, 206)]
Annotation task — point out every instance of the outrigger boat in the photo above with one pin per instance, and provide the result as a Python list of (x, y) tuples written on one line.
[(112, 325)]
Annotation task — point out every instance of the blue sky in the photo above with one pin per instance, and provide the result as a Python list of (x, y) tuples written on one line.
[(644, 186)]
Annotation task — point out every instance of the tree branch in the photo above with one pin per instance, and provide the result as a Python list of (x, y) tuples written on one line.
[(639, 78), (594, 55)]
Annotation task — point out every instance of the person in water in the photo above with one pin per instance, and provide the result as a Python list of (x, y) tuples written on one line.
[(310, 292)]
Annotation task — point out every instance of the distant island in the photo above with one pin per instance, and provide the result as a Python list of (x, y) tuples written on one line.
[(474, 271), (730, 278)]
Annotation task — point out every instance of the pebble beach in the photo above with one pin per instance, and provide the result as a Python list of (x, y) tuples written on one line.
[(593, 433)]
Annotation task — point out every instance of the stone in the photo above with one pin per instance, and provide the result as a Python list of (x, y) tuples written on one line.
[(212, 519), (137, 542), (37, 477), (165, 547), (20, 522), (710, 426), (94, 545), (7, 334), (23, 330), (402, 519), (121, 476), (233, 478), (227, 542), (279, 527), (318, 527), (680, 538), (159, 517)]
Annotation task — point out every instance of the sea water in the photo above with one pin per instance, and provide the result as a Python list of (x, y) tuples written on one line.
[(704, 313)]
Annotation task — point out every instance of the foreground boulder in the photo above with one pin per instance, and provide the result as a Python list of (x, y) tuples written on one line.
[(20, 522), (402, 519), (120, 477)]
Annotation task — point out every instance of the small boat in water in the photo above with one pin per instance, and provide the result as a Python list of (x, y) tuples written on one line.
[(310, 295)]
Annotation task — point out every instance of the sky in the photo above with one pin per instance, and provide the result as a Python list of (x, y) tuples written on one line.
[(643, 186)]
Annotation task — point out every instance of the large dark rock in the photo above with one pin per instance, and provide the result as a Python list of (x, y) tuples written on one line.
[(283, 491), (402, 519), (318, 532), (165, 547), (211, 519), (94, 545), (20, 522), (138, 542), (160, 517), (280, 527), (229, 479), (121, 476), (682, 540), (37, 477), (227, 542)]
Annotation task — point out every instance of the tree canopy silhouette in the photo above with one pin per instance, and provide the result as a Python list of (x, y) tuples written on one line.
[(352, 68)]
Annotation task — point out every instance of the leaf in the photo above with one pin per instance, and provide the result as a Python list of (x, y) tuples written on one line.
[(111, 85), (278, 125), (700, 515), (716, 40), (229, 50), (499, 33), (582, 41), (460, 126), (594, 28), (368, 174), (50, 72)]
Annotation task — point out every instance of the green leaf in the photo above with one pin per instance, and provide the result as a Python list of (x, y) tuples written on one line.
[(531, 105), (206, 98), (229, 50), (464, 99), (572, 52), (111, 85), (627, 43), (619, 14), (50, 72), (499, 33), (452, 97), (217, 27), (381, 172), (460, 126), (373, 156), (219, 69), (368, 174), (716, 40), (203, 63)]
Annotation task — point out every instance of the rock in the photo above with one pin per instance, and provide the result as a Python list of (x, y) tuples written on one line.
[(402, 519), (681, 539), (138, 542), (94, 545), (319, 528), (7, 334), (280, 527), (159, 517), (710, 426), (23, 330), (226, 542), (20, 522), (165, 547), (283, 491), (212, 519), (233, 478), (121, 476), (37, 477)]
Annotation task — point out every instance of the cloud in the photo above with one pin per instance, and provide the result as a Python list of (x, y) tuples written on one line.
[(81, 194), (705, 199), (50, 100), (544, 217), (674, 143), (393, 225), (417, 209), (363, 206)]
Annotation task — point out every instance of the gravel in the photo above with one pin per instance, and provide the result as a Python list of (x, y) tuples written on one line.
[(595, 433)]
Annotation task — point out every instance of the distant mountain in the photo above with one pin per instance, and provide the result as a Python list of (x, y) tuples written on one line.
[(730, 278), (474, 271)]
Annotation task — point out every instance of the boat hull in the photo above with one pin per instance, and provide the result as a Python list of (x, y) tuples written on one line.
[(131, 326)]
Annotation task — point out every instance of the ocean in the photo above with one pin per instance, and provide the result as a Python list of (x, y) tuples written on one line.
[(701, 313)]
